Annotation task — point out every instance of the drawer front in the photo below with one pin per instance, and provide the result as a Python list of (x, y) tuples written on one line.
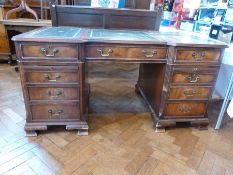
[(198, 55), (46, 51), (194, 74), (45, 93), (4, 47), (186, 109), (115, 52), (192, 78), (57, 112), (189, 92), (52, 77)]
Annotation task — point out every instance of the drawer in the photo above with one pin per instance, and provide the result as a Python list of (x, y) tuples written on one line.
[(200, 55), (58, 112), (49, 51), (185, 109), (194, 75), (52, 74), (125, 52), (4, 47), (52, 77), (47, 93), (189, 92)]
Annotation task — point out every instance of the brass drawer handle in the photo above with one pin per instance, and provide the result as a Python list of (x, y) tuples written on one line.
[(54, 113), (191, 93), (107, 54), (198, 56), (185, 109), (154, 52), (193, 78), (47, 77), (59, 93), (46, 52)]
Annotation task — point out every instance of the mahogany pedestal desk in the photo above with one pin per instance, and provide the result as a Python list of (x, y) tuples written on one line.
[(176, 76)]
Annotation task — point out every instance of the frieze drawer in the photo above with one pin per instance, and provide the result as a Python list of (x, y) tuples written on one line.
[(49, 51), (124, 53), (58, 112), (189, 92), (185, 109), (194, 55), (50, 93)]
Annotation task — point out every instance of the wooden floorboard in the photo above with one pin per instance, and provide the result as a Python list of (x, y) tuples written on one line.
[(121, 139)]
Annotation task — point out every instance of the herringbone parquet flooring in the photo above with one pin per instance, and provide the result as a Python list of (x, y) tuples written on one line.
[(121, 140)]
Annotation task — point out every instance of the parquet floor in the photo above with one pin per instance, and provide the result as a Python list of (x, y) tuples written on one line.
[(121, 139)]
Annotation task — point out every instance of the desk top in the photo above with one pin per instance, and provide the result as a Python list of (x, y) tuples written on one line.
[(84, 35)]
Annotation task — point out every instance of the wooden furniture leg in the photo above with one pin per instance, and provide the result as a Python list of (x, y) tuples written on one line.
[(31, 133), (83, 132)]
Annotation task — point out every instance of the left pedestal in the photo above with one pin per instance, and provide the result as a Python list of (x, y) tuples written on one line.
[(53, 83)]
